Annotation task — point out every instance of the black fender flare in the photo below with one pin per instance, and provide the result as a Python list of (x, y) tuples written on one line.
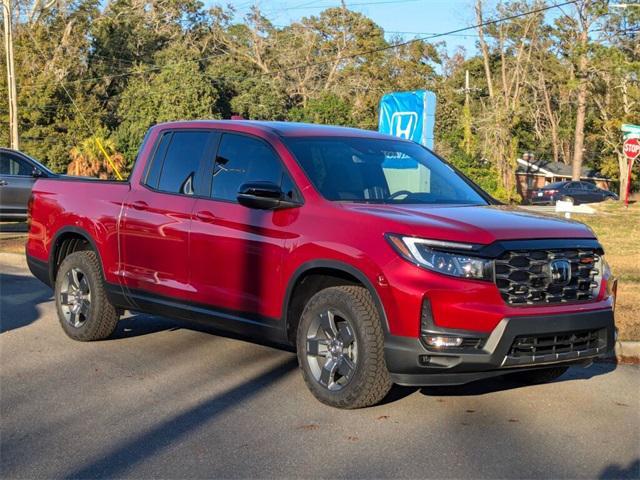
[(339, 266), (53, 249)]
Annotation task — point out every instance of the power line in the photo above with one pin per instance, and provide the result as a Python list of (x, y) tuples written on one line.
[(426, 38)]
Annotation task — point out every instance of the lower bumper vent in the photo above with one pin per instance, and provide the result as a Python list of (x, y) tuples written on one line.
[(532, 349)]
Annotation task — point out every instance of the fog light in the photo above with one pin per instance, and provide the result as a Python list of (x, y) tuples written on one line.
[(443, 342), (424, 359)]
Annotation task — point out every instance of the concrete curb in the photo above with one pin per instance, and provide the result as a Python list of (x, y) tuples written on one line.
[(628, 351)]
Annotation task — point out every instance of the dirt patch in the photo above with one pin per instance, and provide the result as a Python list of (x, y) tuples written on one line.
[(311, 426), (13, 243)]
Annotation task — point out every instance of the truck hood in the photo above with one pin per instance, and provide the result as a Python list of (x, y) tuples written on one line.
[(472, 224)]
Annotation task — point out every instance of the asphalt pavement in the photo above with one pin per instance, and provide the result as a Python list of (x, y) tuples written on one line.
[(162, 399)]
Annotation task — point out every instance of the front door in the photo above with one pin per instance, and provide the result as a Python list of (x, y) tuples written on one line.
[(156, 221), (236, 251)]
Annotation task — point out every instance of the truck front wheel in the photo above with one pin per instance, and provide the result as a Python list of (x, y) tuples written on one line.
[(84, 310), (340, 346)]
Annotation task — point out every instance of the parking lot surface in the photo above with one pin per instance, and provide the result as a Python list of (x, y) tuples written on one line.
[(167, 400)]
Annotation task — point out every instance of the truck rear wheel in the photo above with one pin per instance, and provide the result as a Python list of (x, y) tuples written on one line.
[(84, 310), (340, 346)]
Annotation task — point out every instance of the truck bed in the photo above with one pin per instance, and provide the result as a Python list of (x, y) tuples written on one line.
[(64, 204)]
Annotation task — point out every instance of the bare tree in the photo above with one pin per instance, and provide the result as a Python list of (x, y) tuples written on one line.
[(513, 44)]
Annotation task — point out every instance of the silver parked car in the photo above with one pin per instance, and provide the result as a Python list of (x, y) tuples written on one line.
[(18, 173)]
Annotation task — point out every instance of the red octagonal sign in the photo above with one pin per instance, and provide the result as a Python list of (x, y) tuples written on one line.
[(631, 148)]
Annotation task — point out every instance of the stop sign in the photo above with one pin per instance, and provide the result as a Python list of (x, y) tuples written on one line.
[(631, 148)]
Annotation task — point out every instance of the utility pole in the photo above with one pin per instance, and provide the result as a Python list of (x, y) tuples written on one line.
[(11, 77), (466, 88), (467, 121)]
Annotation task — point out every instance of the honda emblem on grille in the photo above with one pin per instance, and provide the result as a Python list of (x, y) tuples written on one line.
[(560, 272)]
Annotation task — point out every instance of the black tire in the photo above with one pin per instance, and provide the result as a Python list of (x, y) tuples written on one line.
[(543, 375), (367, 380), (96, 319)]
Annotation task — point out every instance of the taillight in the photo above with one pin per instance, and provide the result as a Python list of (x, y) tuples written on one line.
[(551, 192)]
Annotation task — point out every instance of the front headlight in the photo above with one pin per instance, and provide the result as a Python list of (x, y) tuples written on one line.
[(433, 255)]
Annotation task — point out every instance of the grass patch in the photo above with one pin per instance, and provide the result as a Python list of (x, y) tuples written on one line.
[(618, 229)]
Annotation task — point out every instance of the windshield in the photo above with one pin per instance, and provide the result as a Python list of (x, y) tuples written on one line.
[(380, 171)]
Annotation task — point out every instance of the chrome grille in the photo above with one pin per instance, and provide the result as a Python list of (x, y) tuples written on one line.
[(525, 277)]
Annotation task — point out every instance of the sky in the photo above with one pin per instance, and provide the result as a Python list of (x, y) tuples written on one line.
[(407, 18)]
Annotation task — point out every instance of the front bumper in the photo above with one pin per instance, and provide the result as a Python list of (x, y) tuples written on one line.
[(410, 362)]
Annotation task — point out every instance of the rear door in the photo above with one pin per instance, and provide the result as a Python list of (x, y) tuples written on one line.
[(156, 221), (16, 182)]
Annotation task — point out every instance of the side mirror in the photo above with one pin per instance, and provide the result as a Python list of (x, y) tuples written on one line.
[(263, 196), (37, 173)]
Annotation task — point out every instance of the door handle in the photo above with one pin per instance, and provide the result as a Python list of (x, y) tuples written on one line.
[(3, 183), (139, 205), (205, 216)]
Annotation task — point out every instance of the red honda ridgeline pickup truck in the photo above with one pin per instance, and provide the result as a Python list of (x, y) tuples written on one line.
[(380, 262)]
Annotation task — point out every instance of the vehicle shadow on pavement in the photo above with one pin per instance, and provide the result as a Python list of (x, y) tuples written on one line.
[(129, 453), (19, 297), (511, 382), (496, 384), (137, 325), (619, 472)]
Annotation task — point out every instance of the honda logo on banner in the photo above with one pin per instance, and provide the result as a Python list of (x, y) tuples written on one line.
[(403, 124), (409, 115)]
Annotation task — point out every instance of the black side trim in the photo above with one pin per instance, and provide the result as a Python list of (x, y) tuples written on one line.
[(39, 269), (334, 265), (240, 323)]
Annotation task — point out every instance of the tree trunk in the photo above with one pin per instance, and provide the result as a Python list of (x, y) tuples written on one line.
[(553, 121), (578, 142), (623, 165), (484, 48)]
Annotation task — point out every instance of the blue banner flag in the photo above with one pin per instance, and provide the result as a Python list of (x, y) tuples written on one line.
[(409, 115)]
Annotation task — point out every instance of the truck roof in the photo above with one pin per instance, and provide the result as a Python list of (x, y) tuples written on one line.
[(282, 129)]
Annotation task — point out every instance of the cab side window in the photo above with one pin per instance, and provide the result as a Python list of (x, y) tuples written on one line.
[(177, 162), (242, 159), (13, 165)]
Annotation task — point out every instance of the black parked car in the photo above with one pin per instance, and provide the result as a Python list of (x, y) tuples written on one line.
[(576, 192), (18, 172)]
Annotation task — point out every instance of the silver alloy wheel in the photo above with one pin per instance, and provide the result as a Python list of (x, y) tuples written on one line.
[(75, 297), (332, 350)]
